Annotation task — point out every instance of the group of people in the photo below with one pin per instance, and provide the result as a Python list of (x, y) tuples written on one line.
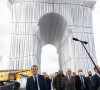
[(70, 81)]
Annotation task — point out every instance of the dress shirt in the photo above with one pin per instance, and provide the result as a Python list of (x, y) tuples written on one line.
[(37, 80)]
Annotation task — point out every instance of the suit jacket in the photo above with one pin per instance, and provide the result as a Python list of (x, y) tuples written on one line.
[(66, 84), (78, 83), (48, 82), (41, 81), (89, 83), (95, 82)]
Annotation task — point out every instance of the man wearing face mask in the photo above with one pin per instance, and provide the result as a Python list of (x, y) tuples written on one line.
[(89, 81), (80, 81), (57, 81)]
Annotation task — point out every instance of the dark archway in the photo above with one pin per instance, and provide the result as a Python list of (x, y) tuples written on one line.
[(52, 27)]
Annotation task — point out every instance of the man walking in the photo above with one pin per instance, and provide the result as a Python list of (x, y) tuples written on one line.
[(96, 79), (89, 81), (36, 82), (57, 81), (68, 82), (80, 81)]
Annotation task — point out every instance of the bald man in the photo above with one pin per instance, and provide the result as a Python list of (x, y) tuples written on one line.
[(57, 81)]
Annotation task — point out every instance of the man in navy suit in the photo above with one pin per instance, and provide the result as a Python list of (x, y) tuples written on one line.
[(36, 82), (96, 79)]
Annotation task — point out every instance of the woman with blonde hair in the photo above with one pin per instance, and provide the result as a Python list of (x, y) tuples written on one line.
[(48, 81)]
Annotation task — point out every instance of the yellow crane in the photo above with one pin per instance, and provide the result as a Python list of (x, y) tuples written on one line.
[(13, 75)]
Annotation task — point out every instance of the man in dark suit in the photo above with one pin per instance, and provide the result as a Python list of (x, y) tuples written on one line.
[(89, 81), (96, 79), (68, 82), (36, 82), (80, 81)]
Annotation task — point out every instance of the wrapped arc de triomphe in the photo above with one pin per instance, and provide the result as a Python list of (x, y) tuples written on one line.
[(36, 23)]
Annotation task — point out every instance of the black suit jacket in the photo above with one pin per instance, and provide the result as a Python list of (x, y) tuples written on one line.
[(48, 82), (88, 83), (78, 82)]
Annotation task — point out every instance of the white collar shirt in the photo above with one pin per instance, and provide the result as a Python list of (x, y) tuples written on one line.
[(37, 81), (68, 76)]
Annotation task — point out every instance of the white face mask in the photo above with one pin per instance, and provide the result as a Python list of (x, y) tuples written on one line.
[(80, 73)]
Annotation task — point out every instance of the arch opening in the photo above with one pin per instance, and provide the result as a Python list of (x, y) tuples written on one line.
[(49, 59)]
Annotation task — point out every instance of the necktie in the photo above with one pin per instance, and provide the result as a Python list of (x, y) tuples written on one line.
[(70, 81), (82, 81), (90, 78), (36, 86)]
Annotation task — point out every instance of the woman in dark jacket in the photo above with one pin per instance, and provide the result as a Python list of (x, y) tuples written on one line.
[(48, 81)]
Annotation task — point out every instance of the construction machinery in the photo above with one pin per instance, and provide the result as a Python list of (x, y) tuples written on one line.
[(11, 76)]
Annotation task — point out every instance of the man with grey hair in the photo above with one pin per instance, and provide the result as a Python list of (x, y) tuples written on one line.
[(68, 82), (80, 81)]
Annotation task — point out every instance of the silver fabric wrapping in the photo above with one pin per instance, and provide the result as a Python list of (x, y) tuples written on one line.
[(36, 23)]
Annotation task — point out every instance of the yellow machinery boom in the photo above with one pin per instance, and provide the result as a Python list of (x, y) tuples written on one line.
[(12, 75)]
